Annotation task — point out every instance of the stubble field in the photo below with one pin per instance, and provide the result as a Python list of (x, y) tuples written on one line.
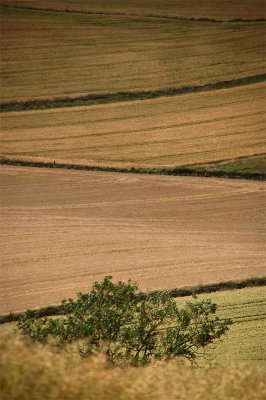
[(62, 230), (164, 132)]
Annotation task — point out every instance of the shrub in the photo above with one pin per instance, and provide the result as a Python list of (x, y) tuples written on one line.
[(115, 320)]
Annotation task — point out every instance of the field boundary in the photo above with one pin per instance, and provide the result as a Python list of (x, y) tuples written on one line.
[(157, 16), (175, 171), (181, 292), (104, 98)]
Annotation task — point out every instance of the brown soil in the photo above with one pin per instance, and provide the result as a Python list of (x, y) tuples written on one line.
[(62, 230)]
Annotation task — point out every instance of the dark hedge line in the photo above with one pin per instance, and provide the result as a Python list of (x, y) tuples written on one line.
[(177, 171), (215, 287), (181, 292), (92, 99)]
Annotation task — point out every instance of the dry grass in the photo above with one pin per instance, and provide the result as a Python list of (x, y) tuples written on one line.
[(62, 230), (183, 130), (223, 9), (49, 54)]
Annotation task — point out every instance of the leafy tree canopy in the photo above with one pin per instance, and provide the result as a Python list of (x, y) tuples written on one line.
[(129, 328)]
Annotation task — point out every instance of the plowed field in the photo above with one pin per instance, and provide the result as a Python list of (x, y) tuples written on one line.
[(62, 230)]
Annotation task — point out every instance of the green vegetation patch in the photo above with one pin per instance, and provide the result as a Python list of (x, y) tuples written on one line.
[(177, 171), (112, 319), (237, 371), (246, 340), (243, 165), (180, 292)]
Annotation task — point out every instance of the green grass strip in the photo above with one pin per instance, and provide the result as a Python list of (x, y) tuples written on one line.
[(181, 292), (104, 98)]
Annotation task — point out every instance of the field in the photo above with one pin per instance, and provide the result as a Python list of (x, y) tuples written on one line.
[(157, 86), (239, 9), (94, 379), (245, 341), (168, 131), (70, 228), (51, 54)]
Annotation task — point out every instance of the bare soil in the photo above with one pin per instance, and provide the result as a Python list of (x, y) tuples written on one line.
[(62, 230)]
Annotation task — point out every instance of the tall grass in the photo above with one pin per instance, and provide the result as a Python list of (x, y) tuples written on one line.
[(35, 372)]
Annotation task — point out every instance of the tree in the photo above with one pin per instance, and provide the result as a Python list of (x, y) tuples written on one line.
[(128, 327)]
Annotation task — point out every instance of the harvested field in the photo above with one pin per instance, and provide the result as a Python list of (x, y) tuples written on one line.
[(62, 230), (51, 54), (224, 9), (168, 131)]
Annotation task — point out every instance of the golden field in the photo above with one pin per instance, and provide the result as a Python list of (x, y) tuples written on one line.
[(62, 230), (164, 132), (51, 54)]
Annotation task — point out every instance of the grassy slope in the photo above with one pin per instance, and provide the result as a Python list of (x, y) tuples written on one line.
[(247, 309), (244, 165), (174, 131), (47, 54), (223, 9)]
